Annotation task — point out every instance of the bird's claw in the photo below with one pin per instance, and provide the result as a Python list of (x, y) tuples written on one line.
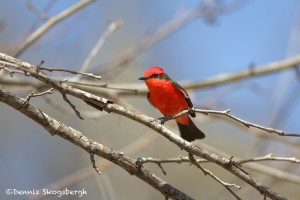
[(191, 111), (162, 120)]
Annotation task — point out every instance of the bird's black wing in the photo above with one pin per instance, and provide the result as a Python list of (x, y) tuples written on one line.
[(149, 99), (186, 96)]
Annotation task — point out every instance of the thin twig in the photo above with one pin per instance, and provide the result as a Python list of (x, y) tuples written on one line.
[(184, 159), (49, 24), (4, 65), (113, 26), (105, 85), (207, 172), (72, 106), (92, 157), (267, 158), (244, 122), (70, 71), (39, 13), (180, 159), (38, 94), (31, 27), (140, 161)]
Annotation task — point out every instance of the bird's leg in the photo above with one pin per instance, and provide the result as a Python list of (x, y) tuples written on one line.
[(165, 118)]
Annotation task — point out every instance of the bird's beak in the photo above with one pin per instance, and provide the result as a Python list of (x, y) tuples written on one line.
[(142, 78)]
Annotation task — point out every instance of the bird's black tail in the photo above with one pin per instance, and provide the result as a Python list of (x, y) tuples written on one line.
[(190, 132)]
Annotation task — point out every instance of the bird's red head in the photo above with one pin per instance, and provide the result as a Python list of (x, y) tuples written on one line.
[(151, 71)]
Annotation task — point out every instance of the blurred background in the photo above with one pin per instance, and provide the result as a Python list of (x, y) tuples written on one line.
[(249, 34)]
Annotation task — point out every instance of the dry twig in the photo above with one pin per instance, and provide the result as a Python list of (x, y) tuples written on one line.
[(38, 94), (113, 26), (244, 122), (49, 24)]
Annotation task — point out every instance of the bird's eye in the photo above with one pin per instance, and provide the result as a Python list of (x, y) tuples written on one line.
[(155, 76)]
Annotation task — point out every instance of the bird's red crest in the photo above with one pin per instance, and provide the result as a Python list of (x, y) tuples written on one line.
[(153, 70)]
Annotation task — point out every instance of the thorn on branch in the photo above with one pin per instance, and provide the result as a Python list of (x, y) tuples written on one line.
[(162, 169)]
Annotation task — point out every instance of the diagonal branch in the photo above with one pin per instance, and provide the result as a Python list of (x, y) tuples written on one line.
[(72, 105), (49, 24), (76, 137), (113, 26)]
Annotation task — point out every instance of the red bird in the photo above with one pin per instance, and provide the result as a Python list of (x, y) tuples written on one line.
[(170, 99)]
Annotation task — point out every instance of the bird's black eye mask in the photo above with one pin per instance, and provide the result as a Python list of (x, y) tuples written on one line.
[(159, 76)]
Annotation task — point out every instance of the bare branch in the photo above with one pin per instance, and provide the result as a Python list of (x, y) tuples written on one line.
[(37, 11), (70, 71), (244, 122), (113, 26), (267, 158), (49, 24), (72, 106)]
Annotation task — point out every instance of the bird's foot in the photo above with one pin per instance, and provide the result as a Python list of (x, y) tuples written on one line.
[(162, 120), (191, 111)]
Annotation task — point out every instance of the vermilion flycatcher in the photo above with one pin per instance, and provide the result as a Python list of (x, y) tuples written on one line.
[(170, 99)]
